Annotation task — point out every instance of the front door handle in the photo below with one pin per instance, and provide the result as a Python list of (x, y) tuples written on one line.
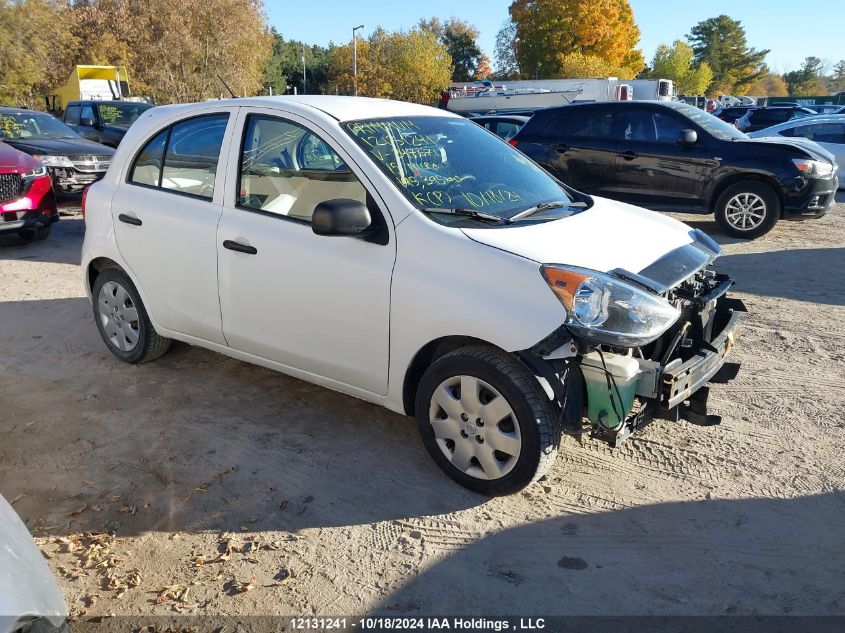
[(629, 155), (129, 219), (241, 248)]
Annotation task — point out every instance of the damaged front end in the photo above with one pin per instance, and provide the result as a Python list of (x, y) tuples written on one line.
[(618, 379)]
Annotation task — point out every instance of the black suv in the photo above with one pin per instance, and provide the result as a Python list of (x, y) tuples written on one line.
[(105, 122), (673, 156)]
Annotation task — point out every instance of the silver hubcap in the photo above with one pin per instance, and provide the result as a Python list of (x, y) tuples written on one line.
[(745, 211), (119, 316), (475, 427)]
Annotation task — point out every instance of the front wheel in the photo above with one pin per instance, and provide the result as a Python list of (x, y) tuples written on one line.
[(33, 235), (486, 421), (123, 321), (747, 210)]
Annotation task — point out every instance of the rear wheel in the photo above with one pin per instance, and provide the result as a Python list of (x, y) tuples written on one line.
[(747, 210), (33, 235), (486, 421), (122, 319)]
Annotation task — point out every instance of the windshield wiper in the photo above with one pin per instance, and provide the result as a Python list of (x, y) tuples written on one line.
[(469, 213), (545, 206)]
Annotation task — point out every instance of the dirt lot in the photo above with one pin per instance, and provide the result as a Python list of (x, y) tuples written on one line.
[(231, 489)]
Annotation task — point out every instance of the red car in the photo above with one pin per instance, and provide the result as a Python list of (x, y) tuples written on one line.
[(27, 203)]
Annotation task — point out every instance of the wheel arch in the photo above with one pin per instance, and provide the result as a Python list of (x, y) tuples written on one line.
[(95, 267), (425, 357), (736, 178)]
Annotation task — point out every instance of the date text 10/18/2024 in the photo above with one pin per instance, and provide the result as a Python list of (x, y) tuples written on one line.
[(469, 624)]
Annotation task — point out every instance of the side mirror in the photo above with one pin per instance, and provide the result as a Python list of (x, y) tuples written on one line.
[(86, 122), (341, 216), (688, 137)]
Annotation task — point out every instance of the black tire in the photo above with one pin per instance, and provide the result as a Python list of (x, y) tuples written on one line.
[(33, 235), (150, 345), (538, 423), (764, 193)]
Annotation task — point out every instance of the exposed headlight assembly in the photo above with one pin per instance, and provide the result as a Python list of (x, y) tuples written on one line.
[(32, 174), (813, 167), (608, 310), (54, 161)]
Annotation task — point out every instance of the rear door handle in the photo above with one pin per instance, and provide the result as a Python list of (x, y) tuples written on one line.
[(560, 148), (629, 155), (129, 219), (241, 248)]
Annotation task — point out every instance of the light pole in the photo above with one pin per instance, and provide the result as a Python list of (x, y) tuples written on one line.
[(303, 70), (355, 60)]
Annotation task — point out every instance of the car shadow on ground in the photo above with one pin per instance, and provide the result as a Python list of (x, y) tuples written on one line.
[(194, 441), (56, 248), (715, 557), (816, 275)]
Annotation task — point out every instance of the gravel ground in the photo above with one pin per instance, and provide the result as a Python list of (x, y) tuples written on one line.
[(225, 488)]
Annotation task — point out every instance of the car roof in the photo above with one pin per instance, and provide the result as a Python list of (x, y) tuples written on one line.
[(10, 110), (512, 117), (340, 108)]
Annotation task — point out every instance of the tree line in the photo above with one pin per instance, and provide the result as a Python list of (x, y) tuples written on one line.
[(571, 38), (178, 55)]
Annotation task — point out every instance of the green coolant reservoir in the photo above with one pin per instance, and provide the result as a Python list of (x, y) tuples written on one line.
[(625, 371)]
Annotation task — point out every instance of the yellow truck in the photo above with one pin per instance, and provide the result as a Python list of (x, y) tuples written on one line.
[(91, 82)]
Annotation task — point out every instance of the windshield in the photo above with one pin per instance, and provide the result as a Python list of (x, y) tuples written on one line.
[(33, 125), (123, 113), (450, 163), (713, 125)]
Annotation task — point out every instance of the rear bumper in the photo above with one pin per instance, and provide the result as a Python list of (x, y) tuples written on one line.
[(809, 198)]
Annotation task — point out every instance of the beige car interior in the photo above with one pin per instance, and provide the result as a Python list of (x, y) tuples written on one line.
[(288, 171)]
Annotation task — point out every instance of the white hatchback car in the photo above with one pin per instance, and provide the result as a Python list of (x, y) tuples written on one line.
[(406, 256)]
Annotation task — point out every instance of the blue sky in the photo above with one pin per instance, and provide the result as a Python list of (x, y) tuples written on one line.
[(792, 30)]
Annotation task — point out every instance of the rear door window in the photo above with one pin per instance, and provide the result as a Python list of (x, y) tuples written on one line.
[(580, 122), (821, 132), (193, 151)]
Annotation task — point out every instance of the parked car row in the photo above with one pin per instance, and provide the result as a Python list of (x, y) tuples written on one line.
[(46, 162), (670, 156)]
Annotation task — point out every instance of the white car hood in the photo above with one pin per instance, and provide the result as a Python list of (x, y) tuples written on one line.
[(609, 235)]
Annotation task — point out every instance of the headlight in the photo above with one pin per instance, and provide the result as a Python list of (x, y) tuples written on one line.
[(54, 161), (32, 174), (813, 167), (607, 310)]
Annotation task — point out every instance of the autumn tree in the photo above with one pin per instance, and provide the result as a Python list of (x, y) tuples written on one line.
[(483, 70), (676, 62), (721, 43), (807, 80), (176, 55), (461, 41), (36, 48), (507, 61), (406, 65), (580, 65), (549, 30), (769, 85)]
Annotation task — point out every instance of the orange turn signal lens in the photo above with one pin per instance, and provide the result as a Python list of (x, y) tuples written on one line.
[(563, 283)]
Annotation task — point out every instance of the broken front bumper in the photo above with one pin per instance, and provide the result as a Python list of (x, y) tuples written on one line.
[(680, 380), (678, 389)]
